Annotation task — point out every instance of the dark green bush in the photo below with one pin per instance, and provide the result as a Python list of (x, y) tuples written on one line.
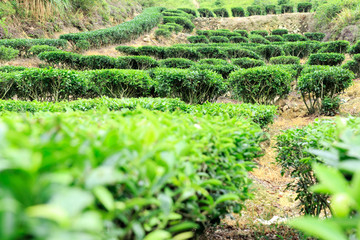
[(37, 49), (8, 69), (161, 32), (223, 69), (8, 81), (247, 62), (355, 49), (312, 68), (236, 52), (212, 52), (82, 45), (198, 39), (97, 62), (280, 32), (353, 66), (124, 32), (128, 50), (182, 52), (262, 33), (304, 7), (261, 85), (239, 39), (61, 59), (176, 27), (258, 39), (153, 51), (221, 12), (213, 61), (339, 46), (243, 33), (293, 69), (269, 51), (330, 106), (285, 60), (270, 9), (137, 62), (183, 21), (189, 11), (254, 10), (189, 85), (298, 49), (205, 12), (294, 37), (176, 63), (8, 53), (331, 59), (315, 36), (219, 39), (287, 8), (221, 32), (176, 13), (315, 86), (274, 38), (238, 12)]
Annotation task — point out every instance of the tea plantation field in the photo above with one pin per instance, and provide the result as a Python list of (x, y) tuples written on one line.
[(169, 142)]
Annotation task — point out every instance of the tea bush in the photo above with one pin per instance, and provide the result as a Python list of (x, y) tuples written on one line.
[(258, 39), (223, 69), (198, 39), (239, 39), (294, 37), (262, 33), (191, 86), (37, 49), (205, 12), (315, 36), (285, 60), (298, 49), (8, 53), (243, 33), (238, 12), (183, 21), (221, 12), (269, 51), (176, 63), (280, 32), (355, 49), (236, 52), (315, 86), (213, 61), (304, 7), (212, 52), (353, 66), (270, 9), (136, 62), (82, 45), (287, 8), (254, 10), (260, 85), (274, 38), (128, 50), (339, 46), (331, 59), (161, 32), (219, 39), (189, 11), (247, 62)]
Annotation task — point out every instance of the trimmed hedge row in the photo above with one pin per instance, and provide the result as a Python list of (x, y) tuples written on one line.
[(331, 59), (24, 45), (126, 31)]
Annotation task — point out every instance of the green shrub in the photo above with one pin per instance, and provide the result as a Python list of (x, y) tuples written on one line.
[(37, 49), (331, 59), (212, 52), (355, 49), (353, 66), (258, 39), (312, 68), (254, 10), (62, 59), (82, 45), (8, 69), (285, 60), (161, 32), (247, 62), (128, 50), (287, 8), (339, 46), (304, 7), (205, 12), (8, 84), (8, 53), (221, 32), (153, 51), (269, 51), (223, 69), (176, 63), (183, 21), (137, 62), (182, 52), (221, 12), (238, 12), (279, 32), (189, 11), (239, 39), (198, 39), (315, 86), (298, 49), (176, 27), (243, 33), (97, 62), (315, 36), (293, 69), (124, 32), (330, 106), (188, 85), (261, 85), (213, 61), (294, 37), (270, 9), (274, 38), (236, 52), (176, 13), (219, 39), (262, 33)]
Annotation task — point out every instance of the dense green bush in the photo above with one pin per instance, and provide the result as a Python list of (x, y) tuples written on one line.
[(298, 49), (136, 62), (239, 39), (247, 62), (254, 10), (315, 36), (198, 39), (287, 8), (212, 52), (353, 66), (8, 69), (243, 33), (339, 46), (37, 49), (189, 85), (82, 45), (304, 7), (274, 38), (8, 53), (293, 69), (294, 37), (24, 45), (219, 39), (175, 27), (189, 11), (223, 69), (236, 52), (205, 12), (285, 60), (280, 32), (153, 51), (183, 21), (262, 85), (312, 68), (238, 12), (262, 33), (355, 49), (162, 32), (270, 9), (106, 174), (221, 12), (8, 83), (128, 50), (269, 51), (318, 85), (124, 32), (331, 59), (176, 13), (258, 39), (62, 59), (213, 61), (97, 62), (176, 63), (182, 52)]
